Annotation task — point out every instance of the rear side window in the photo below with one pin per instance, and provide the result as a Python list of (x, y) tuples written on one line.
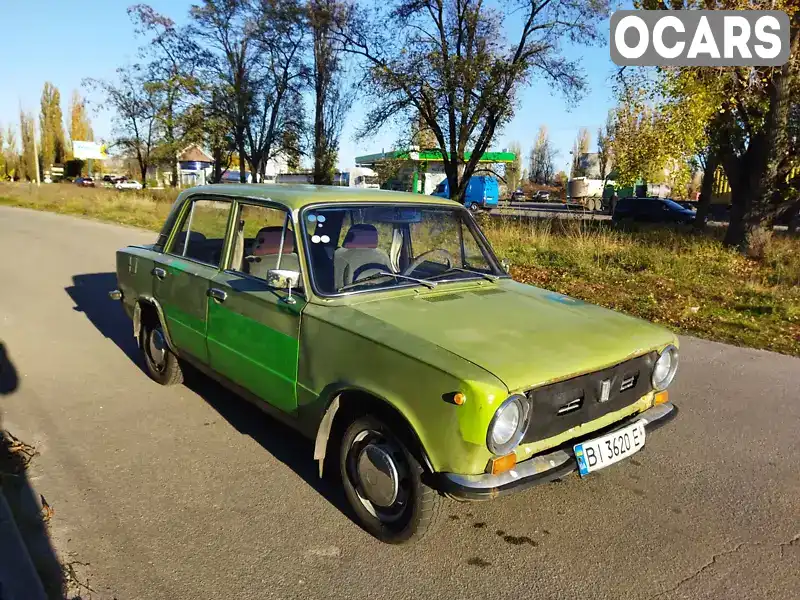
[(201, 233), (625, 204)]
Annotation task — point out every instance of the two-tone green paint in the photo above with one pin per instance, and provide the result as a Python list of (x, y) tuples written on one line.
[(411, 348)]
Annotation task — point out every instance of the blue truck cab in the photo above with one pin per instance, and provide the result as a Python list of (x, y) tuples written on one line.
[(482, 192)]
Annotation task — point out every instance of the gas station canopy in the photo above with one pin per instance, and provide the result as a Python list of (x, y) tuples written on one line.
[(429, 156)]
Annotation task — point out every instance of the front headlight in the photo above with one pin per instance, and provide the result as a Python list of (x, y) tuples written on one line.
[(508, 425), (665, 368)]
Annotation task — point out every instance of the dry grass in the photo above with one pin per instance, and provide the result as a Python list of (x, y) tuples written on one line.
[(146, 209), (686, 281)]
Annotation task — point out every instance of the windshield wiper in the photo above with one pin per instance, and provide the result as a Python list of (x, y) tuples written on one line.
[(425, 282), (479, 273)]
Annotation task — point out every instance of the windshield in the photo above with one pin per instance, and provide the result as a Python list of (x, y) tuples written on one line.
[(375, 247), (674, 205)]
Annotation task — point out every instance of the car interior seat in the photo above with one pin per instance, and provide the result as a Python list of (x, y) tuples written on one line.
[(267, 249), (359, 256)]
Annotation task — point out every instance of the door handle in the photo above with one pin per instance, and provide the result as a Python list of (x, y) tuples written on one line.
[(159, 272), (217, 294)]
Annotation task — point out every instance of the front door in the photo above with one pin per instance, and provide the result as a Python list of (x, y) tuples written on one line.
[(254, 329), (182, 274)]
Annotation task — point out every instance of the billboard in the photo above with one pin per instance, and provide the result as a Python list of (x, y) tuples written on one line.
[(89, 150)]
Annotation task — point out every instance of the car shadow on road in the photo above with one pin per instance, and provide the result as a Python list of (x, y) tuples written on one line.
[(280, 440), (90, 294)]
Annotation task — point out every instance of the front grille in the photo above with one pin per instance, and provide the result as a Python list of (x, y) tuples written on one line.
[(560, 406)]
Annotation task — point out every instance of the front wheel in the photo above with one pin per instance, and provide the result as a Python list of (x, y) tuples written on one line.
[(474, 207), (383, 483)]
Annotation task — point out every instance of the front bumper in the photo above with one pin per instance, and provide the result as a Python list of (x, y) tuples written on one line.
[(556, 463)]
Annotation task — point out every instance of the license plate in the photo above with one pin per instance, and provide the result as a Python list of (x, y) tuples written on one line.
[(599, 453)]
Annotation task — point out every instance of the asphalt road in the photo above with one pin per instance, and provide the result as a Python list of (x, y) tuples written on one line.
[(190, 493)]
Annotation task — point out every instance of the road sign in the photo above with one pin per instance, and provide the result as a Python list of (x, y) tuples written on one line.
[(89, 150)]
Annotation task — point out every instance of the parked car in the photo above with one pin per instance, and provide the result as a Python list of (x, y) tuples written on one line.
[(84, 181), (354, 320), (518, 196), (651, 210), (128, 184), (483, 191), (541, 196)]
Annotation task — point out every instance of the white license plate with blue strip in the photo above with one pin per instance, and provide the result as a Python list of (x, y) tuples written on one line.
[(599, 453)]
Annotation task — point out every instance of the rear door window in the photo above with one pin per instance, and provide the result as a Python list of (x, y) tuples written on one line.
[(201, 234)]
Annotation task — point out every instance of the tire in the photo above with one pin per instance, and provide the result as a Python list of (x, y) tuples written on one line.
[(474, 207), (165, 369), (415, 509)]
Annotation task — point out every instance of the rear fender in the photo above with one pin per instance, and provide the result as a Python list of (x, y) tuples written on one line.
[(153, 304)]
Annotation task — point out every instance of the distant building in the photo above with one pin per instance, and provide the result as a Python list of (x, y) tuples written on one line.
[(194, 166)]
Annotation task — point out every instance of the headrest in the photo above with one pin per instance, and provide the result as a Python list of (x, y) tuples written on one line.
[(194, 237), (268, 241), (362, 235)]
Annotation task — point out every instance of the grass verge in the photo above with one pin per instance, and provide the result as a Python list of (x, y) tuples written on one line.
[(687, 281)]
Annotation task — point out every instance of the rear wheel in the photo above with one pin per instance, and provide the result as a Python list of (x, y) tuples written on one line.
[(161, 364), (474, 207), (383, 483)]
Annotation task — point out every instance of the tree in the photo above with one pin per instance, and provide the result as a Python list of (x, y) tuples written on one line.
[(542, 156), (51, 122), (80, 127), (332, 98), (3, 166), (170, 66), (604, 154), (252, 55), (27, 167), (277, 105), (227, 53), (451, 64), (136, 102), (514, 169), (579, 149), (749, 107), (9, 155)]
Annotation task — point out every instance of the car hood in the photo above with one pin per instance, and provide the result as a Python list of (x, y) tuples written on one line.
[(524, 336)]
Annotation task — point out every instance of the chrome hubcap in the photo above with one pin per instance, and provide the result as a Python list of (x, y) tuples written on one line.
[(378, 475), (157, 348)]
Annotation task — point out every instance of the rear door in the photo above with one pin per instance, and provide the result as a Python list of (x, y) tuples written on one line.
[(181, 275), (253, 328)]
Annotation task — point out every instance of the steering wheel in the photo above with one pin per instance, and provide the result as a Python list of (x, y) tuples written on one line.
[(421, 259)]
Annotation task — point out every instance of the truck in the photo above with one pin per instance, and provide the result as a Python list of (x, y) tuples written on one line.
[(362, 177), (587, 192), (483, 192)]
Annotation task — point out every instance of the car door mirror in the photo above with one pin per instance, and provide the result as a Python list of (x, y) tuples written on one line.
[(284, 279), (505, 264)]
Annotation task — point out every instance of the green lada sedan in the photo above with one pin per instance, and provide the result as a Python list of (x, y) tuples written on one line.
[(383, 327)]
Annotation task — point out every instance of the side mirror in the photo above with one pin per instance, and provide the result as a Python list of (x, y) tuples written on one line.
[(282, 278), (506, 264)]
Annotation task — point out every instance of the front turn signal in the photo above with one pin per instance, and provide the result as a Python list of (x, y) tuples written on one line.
[(501, 464), (661, 398)]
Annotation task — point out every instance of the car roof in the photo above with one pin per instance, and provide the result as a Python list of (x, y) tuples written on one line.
[(296, 196)]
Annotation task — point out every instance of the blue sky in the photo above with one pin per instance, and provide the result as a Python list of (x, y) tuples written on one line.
[(64, 42)]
